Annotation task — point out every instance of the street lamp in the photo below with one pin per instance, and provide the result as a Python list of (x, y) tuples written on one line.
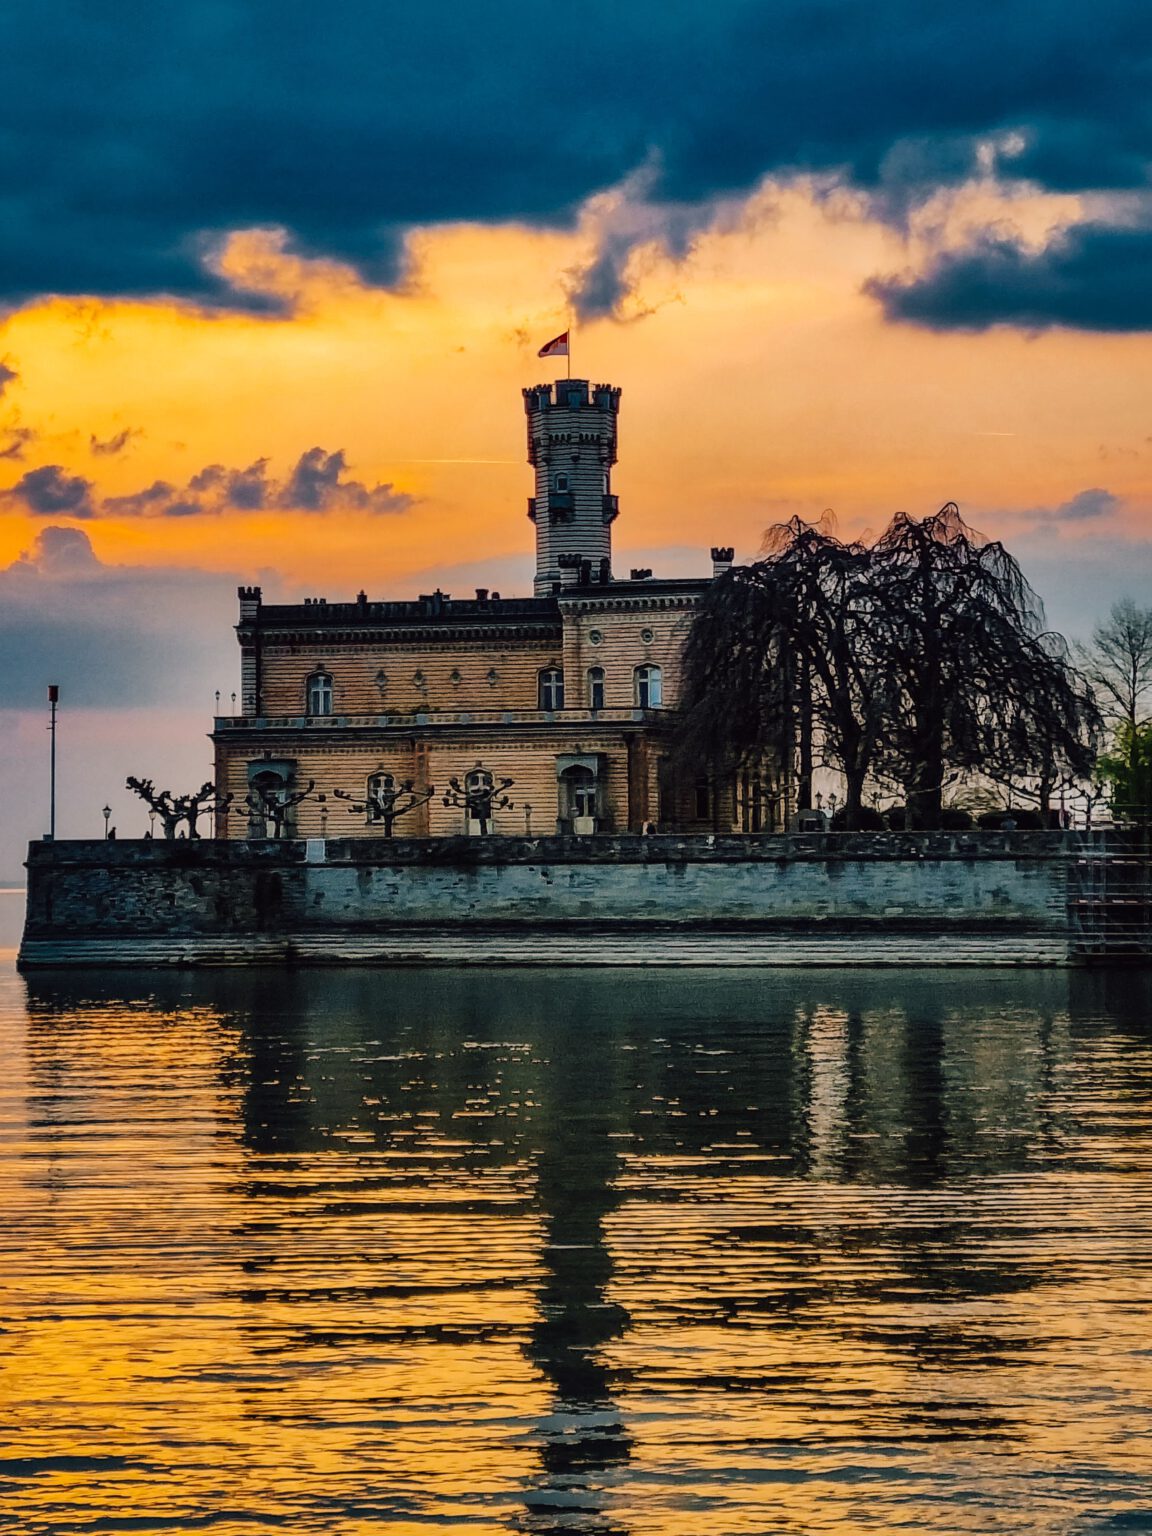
[(107, 817), (53, 701)]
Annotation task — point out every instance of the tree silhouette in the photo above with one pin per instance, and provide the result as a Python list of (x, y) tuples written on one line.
[(479, 796), (175, 809), (270, 804), (1118, 664), (912, 658), (977, 684), (387, 800)]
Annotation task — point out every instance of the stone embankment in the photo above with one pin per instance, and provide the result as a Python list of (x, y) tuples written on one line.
[(979, 898)]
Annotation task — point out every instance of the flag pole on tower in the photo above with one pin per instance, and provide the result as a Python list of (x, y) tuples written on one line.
[(559, 346)]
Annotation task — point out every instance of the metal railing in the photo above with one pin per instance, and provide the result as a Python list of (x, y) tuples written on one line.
[(410, 718)]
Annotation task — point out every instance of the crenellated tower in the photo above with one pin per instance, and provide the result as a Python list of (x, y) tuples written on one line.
[(572, 447)]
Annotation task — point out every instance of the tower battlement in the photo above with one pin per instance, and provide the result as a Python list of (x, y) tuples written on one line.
[(572, 427)]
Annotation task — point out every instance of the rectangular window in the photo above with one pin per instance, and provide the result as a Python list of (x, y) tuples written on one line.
[(551, 689)]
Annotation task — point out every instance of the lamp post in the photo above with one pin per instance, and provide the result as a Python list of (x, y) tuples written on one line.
[(107, 817), (53, 700)]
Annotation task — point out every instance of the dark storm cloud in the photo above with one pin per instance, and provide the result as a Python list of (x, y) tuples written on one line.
[(51, 491), (154, 129), (1093, 277), (246, 489), (318, 483)]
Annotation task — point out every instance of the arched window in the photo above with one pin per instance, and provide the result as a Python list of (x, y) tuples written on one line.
[(649, 688), (383, 792), (595, 687), (561, 482), (579, 785), (319, 694), (551, 688)]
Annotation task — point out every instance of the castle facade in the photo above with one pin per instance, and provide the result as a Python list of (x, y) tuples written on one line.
[(445, 716)]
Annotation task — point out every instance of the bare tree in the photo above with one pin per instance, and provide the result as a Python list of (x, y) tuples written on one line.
[(977, 682), (480, 796), (175, 809), (781, 657), (387, 800), (269, 806), (1118, 664), (914, 658)]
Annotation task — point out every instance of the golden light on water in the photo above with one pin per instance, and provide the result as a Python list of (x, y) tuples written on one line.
[(358, 1252)]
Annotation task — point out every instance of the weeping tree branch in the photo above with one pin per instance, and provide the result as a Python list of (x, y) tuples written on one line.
[(922, 654)]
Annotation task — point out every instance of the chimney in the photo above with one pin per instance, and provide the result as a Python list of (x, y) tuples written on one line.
[(722, 561), (482, 595)]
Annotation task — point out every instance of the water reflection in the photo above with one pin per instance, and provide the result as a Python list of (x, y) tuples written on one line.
[(580, 1252)]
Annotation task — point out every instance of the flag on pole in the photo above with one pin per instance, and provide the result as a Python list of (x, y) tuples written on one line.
[(557, 347)]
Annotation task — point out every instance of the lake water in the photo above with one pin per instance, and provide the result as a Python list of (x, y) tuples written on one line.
[(590, 1253)]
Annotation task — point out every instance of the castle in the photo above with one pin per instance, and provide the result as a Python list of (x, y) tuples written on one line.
[(440, 717)]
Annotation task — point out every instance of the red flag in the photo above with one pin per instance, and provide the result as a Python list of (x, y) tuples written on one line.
[(557, 347)]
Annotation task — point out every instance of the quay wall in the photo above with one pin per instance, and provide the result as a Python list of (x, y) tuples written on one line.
[(851, 898)]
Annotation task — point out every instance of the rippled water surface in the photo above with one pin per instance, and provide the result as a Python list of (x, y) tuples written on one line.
[(617, 1252)]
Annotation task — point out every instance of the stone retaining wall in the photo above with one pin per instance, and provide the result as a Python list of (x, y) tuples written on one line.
[(991, 897)]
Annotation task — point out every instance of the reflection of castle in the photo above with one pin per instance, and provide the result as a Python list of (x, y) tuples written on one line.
[(564, 693)]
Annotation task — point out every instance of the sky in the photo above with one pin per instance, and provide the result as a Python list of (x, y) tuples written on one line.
[(273, 276)]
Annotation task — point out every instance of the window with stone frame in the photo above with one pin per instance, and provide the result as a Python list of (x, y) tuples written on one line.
[(580, 783), (550, 688), (649, 687), (319, 694), (595, 687)]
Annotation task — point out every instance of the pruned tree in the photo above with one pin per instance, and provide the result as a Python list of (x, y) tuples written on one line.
[(173, 810), (387, 800), (269, 805), (480, 796)]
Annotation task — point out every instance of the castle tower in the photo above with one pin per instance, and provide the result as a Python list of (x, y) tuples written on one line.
[(572, 447)]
